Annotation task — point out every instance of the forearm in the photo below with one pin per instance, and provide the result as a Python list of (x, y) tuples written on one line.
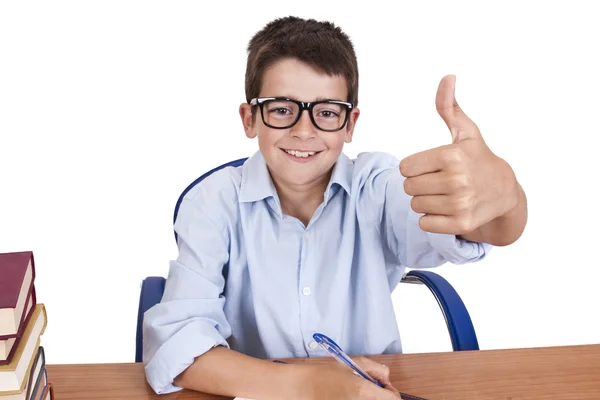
[(505, 229), (229, 373)]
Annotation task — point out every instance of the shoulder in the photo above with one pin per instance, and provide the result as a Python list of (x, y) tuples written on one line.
[(221, 185), (371, 176), (370, 168), (215, 195), (379, 158), (376, 179)]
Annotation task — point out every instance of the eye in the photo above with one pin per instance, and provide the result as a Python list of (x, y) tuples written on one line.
[(328, 114), (280, 110), (328, 111)]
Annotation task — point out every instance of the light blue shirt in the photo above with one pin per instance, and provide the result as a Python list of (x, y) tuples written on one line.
[(260, 282)]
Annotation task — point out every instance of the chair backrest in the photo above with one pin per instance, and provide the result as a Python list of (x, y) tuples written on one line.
[(150, 294), (234, 163)]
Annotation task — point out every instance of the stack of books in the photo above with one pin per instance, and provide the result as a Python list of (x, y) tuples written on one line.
[(23, 374)]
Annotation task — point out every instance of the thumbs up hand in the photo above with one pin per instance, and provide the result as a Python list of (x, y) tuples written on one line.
[(462, 186)]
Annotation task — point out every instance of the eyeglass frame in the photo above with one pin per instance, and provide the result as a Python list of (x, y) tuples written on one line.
[(302, 105)]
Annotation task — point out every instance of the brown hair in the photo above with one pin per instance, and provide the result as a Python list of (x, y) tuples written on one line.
[(321, 45)]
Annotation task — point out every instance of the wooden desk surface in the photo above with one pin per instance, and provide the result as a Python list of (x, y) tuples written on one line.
[(553, 373)]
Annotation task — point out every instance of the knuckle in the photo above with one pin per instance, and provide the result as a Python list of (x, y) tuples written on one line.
[(415, 204), (465, 225), (452, 156), (460, 181), (464, 203), (361, 361)]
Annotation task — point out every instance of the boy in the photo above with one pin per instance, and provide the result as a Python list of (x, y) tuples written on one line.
[(301, 239)]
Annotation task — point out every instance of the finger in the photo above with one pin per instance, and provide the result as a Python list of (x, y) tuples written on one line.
[(382, 393), (461, 127), (391, 387), (377, 371), (387, 394), (434, 183), (424, 162), (394, 390), (437, 205), (449, 225)]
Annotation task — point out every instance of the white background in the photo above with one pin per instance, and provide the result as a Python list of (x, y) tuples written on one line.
[(108, 109)]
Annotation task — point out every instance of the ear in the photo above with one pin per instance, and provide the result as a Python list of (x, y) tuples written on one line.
[(247, 120), (354, 114)]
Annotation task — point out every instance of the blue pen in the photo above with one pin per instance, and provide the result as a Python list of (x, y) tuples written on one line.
[(336, 351)]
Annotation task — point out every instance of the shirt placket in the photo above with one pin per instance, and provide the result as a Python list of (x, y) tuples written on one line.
[(307, 285), (306, 292)]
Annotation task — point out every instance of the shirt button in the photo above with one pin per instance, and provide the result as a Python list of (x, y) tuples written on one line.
[(313, 345), (306, 235), (306, 291)]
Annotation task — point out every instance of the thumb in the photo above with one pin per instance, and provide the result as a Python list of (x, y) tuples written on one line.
[(461, 127)]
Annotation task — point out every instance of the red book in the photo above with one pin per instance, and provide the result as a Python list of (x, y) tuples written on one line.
[(17, 299)]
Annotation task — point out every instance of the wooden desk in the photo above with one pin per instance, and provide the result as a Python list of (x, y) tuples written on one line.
[(553, 373)]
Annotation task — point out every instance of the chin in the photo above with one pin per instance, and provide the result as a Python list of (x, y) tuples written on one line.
[(298, 176)]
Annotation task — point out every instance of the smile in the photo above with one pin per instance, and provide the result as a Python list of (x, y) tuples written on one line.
[(301, 154)]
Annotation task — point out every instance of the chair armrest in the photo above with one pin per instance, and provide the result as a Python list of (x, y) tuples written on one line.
[(460, 326), (150, 294)]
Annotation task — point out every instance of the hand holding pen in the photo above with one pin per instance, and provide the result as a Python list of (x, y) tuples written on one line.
[(335, 382), (370, 379), (365, 368)]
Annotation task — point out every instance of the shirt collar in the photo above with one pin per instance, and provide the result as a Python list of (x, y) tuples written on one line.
[(257, 183), (341, 175), (261, 186)]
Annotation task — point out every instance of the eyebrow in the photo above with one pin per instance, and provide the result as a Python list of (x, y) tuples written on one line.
[(320, 98)]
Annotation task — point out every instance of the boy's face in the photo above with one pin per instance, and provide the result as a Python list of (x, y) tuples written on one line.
[(295, 80)]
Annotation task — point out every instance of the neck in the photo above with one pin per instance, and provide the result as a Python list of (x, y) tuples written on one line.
[(301, 201)]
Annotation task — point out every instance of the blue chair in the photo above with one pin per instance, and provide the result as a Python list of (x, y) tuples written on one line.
[(460, 327)]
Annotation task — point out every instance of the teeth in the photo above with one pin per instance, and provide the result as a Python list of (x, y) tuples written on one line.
[(302, 154)]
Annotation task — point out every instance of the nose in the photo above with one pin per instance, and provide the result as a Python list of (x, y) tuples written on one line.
[(304, 128)]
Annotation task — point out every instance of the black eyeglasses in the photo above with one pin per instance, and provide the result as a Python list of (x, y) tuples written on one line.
[(283, 113)]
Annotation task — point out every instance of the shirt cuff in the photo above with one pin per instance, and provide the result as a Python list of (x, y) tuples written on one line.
[(458, 251), (178, 353)]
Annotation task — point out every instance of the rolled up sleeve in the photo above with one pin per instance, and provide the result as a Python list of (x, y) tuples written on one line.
[(190, 319), (456, 250)]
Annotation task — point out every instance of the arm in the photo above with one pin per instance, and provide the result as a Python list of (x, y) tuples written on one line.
[(190, 319), (229, 373), (384, 203)]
